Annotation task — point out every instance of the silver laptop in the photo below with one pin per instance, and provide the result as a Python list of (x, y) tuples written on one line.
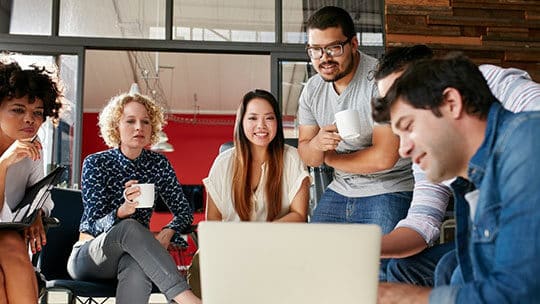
[(282, 263)]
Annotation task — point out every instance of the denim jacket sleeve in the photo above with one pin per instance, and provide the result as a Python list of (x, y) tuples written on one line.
[(443, 295), (505, 243)]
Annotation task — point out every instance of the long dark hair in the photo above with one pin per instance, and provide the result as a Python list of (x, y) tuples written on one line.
[(242, 195)]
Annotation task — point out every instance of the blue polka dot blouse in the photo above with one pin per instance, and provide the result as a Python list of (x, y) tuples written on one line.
[(103, 177)]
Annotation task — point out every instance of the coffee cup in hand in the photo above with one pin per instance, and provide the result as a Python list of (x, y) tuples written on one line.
[(348, 124), (146, 198)]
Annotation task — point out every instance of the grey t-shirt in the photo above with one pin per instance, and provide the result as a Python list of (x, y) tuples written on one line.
[(318, 104)]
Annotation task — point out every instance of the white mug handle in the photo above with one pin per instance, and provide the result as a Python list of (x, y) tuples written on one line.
[(124, 194)]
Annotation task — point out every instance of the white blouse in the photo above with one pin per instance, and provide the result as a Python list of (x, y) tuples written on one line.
[(219, 184)]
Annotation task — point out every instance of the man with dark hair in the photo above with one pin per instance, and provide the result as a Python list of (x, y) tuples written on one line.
[(411, 245), (371, 183), (395, 61), (450, 124)]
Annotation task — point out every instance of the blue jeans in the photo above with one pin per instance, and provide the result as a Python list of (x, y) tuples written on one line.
[(418, 269), (385, 210), (447, 271)]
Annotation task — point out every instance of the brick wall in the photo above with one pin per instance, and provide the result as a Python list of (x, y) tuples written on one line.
[(501, 32)]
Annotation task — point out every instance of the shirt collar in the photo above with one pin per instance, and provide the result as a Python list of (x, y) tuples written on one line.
[(478, 162), (124, 160)]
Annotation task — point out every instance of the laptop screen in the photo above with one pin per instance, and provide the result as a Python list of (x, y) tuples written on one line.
[(285, 263)]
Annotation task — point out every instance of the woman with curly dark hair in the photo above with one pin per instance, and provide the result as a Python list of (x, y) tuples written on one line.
[(27, 98)]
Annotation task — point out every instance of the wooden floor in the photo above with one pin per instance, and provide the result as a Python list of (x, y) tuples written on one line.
[(61, 298)]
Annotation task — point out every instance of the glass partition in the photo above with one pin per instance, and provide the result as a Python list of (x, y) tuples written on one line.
[(183, 82), (66, 131), (210, 79), (366, 14), (31, 17), (206, 20), (293, 75), (113, 18), (231, 20)]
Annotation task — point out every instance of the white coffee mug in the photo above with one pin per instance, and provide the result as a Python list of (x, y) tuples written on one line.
[(348, 123), (146, 198)]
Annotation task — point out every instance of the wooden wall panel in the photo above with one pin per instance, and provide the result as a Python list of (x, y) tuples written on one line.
[(532, 15), (395, 9), (419, 2), (501, 32)]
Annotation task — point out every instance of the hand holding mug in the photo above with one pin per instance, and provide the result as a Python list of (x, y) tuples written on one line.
[(327, 139), (129, 205), (145, 195)]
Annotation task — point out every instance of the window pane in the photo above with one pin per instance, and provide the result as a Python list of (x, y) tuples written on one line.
[(113, 18), (366, 14), (294, 75), (65, 135), (31, 17), (231, 20), (187, 83)]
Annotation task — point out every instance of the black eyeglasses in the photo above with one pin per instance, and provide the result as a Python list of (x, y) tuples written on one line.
[(334, 50)]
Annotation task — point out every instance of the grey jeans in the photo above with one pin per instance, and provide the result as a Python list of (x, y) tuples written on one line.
[(130, 253)]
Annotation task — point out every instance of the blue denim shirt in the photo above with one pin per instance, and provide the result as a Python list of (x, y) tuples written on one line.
[(498, 248)]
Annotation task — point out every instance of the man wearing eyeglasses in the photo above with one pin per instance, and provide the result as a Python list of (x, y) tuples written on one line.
[(371, 183)]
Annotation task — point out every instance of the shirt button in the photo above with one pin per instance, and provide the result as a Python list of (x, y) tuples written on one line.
[(486, 233)]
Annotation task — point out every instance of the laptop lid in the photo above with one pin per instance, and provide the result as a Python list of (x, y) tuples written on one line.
[(34, 198), (254, 262)]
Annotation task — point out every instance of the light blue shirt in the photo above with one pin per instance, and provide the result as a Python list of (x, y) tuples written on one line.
[(517, 92), (498, 248)]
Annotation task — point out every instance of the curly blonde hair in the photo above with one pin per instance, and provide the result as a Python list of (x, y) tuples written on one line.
[(109, 117)]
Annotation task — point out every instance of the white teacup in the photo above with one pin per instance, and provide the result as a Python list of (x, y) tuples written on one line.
[(146, 199), (348, 123)]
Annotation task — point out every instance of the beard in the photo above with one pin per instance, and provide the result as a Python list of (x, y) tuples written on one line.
[(349, 65)]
